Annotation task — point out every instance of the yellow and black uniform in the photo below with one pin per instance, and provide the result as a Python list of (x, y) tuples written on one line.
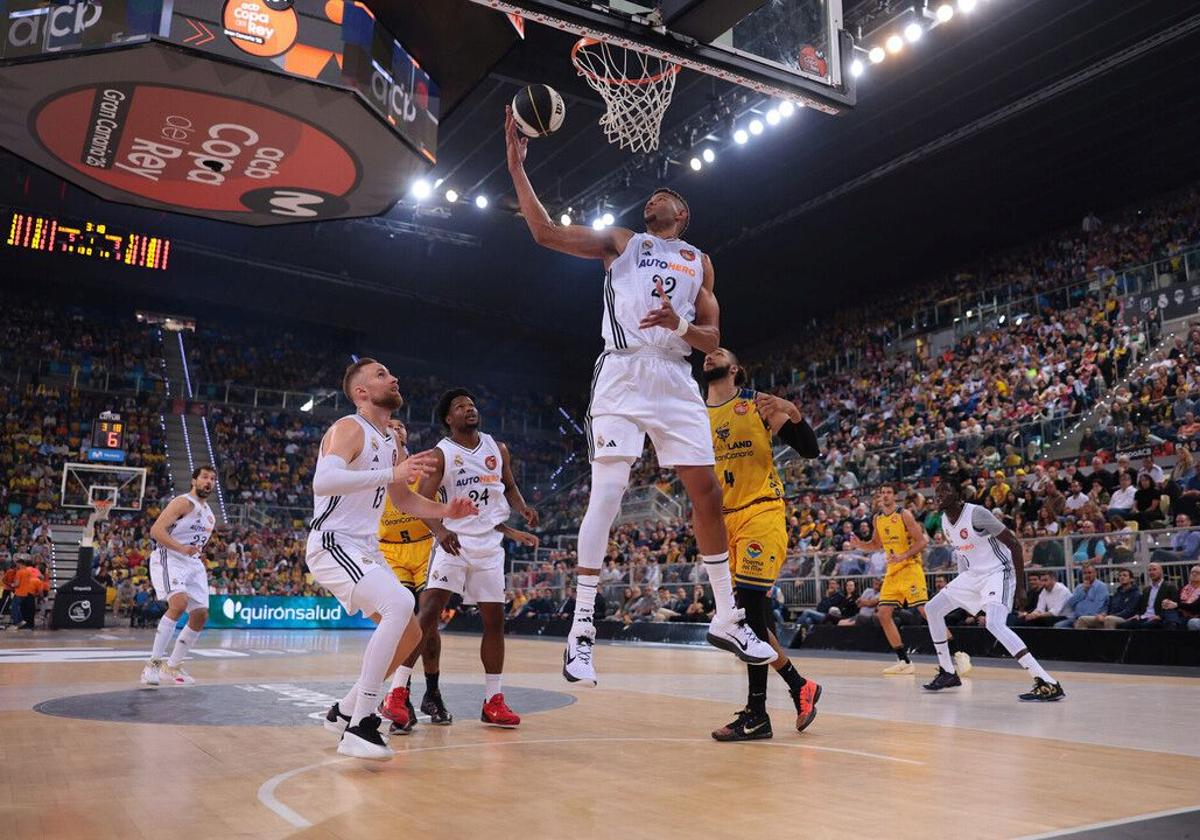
[(904, 582), (751, 492), (406, 544)]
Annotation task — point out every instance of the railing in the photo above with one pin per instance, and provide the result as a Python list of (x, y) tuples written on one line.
[(806, 574)]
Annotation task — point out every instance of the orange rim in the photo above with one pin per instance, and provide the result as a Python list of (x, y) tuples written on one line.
[(645, 80)]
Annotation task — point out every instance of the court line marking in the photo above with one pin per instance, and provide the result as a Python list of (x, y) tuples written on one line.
[(1136, 818), (266, 791)]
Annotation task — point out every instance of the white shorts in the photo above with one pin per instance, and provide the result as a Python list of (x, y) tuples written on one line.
[(171, 573), (476, 573), (641, 393), (339, 561), (973, 591)]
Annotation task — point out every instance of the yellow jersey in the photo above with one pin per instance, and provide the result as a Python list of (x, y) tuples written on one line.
[(398, 527), (745, 461), (892, 533)]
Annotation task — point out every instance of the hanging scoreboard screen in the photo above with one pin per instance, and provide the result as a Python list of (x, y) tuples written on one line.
[(90, 240)]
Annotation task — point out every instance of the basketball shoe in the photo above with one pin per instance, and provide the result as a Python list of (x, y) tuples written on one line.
[(747, 726), (944, 679), (432, 705), (335, 721), (496, 713), (150, 674), (174, 675), (364, 740), (577, 658), (1043, 692), (735, 636), (805, 700)]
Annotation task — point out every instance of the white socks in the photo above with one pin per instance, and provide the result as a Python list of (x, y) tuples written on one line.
[(717, 566), (162, 636), (935, 614), (401, 677), (491, 686), (585, 596), (187, 636)]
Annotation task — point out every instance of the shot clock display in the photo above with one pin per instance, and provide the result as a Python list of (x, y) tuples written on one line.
[(108, 439), (88, 239)]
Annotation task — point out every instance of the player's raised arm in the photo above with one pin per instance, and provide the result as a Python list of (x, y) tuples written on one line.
[(341, 445), (178, 507), (576, 240)]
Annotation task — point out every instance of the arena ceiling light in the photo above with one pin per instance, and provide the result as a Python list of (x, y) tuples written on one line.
[(608, 219), (876, 55), (421, 189), (894, 44), (756, 126), (597, 224), (786, 109), (966, 6), (451, 195), (481, 201), (773, 117), (856, 68), (565, 219), (944, 13), (740, 137), (913, 32), (695, 164), (709, 155)]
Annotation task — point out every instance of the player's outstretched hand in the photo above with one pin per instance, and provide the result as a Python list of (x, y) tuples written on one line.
[(191, 550), (516, 145), (459, 508), (414, 467), (449, 543), (665, 315), (776, 411), (524, 538)]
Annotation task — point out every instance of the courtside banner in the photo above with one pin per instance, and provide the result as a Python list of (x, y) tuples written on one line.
[(278, 612)]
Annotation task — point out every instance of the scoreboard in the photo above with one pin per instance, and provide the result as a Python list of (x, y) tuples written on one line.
[(108, 439), (87, 239)]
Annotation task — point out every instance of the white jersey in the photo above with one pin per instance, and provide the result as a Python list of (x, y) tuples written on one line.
[(475, 474), (974, 540), (630, 292), (195, 527), (358, 513)]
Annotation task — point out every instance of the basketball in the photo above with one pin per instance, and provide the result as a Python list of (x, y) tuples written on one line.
[(538, 110)]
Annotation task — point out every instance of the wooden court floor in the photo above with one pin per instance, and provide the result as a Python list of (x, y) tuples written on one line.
[(243, 754)]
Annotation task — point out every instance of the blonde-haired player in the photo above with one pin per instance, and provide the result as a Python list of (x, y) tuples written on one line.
[(407, 543), (896, 532)]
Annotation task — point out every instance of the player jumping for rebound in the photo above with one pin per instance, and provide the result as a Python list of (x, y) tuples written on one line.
[(658, 306), (179, 576), (896, 531), (743, 423), (471, 466), (991, 572), (357, 468)]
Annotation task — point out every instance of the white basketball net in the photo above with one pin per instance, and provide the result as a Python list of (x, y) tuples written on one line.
[(636, 88)]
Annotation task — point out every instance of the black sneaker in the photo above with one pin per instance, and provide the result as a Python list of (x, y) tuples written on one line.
[(747, 726), (1043, 692), (335, 721), (364, 740), (944, 679), (432, 705)]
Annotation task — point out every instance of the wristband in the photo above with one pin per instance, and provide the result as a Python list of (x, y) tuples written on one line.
[(682, 328)]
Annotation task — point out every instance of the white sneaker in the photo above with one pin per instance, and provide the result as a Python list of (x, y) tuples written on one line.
[(172, 675), (150, 675), (900, 669), (577, 658), (364, 741), (735, 636), (962, 663)]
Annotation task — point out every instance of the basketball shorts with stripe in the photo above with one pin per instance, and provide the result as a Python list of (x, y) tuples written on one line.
[(476, 572), (339, 561), (171, 573), (640, 393), (974, 590)]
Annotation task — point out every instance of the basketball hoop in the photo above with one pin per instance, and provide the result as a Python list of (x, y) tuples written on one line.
[(101, 508), (635, 87)]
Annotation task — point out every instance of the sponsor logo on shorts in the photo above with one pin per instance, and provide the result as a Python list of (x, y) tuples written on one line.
[(754, 550), (612, 444), (490, 462), (599, 440)]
